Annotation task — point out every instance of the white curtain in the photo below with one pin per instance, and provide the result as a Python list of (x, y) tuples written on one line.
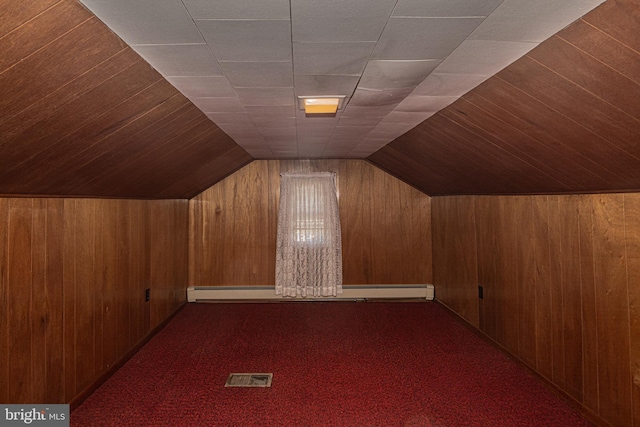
[(309, 245)]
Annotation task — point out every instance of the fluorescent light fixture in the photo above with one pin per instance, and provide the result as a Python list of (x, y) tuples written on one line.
[(324, 105)]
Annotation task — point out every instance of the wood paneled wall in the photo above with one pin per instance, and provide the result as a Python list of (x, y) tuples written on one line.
[(85, 115), (386, 226), (565, 118), (561, 279), (73, 274)]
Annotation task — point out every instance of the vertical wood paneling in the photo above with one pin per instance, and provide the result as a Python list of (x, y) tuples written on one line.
[(352, 221), (525, 279), (379, 250), (4, 299), (561, 288), (99, 283), (507, 292), (612, 310), (571, 296), (421, 236), (454, 255), (123, 284), (591, 396), (543, 285), (556, 296), (54, 295), (72, 280), (169, 265), (69, 296), (85, 227), (20, 297), (632, 230), (487, 254), (39, 305), (386, 231), (110, 253)]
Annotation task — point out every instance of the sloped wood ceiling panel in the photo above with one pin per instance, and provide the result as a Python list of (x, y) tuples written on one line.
[(84, 115), (563, 119)]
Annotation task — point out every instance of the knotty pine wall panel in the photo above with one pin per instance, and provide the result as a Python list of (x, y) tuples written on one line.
[(386, 228), (561, 289), (73, 273)]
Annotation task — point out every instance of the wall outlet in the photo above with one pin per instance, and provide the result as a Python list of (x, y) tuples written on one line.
[(147, 294)]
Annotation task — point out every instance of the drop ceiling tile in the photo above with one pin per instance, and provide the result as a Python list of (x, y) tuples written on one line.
[(306, 85), (274, 121), (347, 58), (261, 96), (424, 104), (277, 133), (389, 131), (423, 38), (278, 110), (310, 151), (483, 57), (336, 152), (234, 9), (342, 146), (259, 74), (392, 128), (248, 40), (146, 21), (352, 130), (531, 21), (323, 140), (339, 20), (316, 131), (223, 118), (445, 8), (371, 144), (285, 153), (359, 121), (396, 74), (289, 148), (203, 87), (181, 59), (219, 105), (376, 98), (439, 84), (362, 111), (409, 119)]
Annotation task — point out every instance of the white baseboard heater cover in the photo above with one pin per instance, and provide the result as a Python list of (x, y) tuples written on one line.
[(349, 292)]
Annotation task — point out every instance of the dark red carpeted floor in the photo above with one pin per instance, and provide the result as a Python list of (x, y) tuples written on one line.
[(333, 364)]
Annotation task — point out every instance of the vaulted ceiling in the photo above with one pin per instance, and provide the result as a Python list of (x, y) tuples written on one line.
[(83, 114)]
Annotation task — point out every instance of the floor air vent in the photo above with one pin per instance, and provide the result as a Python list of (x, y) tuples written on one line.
[(249, 380)]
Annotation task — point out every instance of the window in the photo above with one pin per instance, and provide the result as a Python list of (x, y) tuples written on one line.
[(309, 246)]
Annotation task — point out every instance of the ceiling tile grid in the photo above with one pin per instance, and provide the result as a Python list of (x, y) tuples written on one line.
[(396, 62)]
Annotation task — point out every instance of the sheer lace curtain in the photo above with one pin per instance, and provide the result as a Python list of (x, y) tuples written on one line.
[(309, 245)]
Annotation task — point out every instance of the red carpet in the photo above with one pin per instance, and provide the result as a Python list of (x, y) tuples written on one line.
[(333, 364)]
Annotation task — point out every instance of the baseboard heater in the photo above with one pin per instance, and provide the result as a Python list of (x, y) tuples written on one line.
[(349, 292)]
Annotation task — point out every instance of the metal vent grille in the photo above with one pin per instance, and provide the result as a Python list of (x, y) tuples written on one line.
[(249, 380)]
